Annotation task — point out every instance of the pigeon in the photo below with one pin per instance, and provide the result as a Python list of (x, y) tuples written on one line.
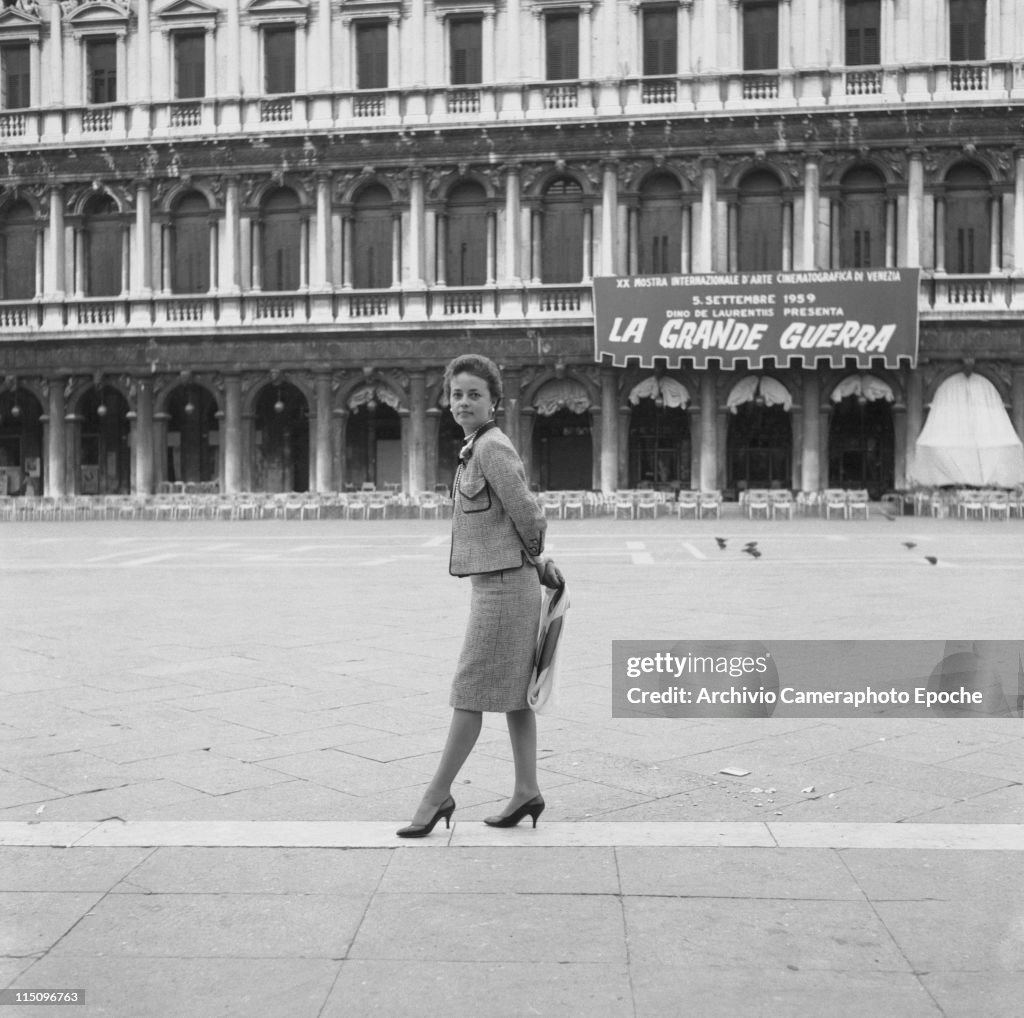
[(750, 544), (721, 542), (751, 550), (932, 559), (889, 516), (909, 544)]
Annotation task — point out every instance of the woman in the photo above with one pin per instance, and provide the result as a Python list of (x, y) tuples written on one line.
[(497, 539)]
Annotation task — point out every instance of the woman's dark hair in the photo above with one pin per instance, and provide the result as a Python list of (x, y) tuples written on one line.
[(474, 364)]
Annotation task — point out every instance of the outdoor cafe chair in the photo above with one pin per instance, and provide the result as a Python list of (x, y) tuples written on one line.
[(834, 500), (624, 503), (998, 504), (378, 502), (758, 500), (710, 504), (857, 501), (573, 502), (8, 507), (688, 504), (647, 501), (551, 503), (782, 503)]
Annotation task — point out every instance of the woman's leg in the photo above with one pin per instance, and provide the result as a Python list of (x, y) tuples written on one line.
[(522, 730), (462, 735)]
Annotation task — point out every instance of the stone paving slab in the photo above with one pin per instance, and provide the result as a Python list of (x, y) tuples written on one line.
[(297, 676)]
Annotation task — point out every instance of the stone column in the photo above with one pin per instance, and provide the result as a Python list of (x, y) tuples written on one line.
[(609, 430), (915, 202), (808, 253), (810, 466), (340, 429), (511, 383), (1017, 400), (232, 434), (144, 437), (535, 248), (417, 432), (161, 422), (56, 452), (142, 277), (53, 256), (622, 419), (511, 270), (416, 221), (142, 85), (708, 430), (230, 277), (609, 196), (324, 419), (940, 234), (321, 256), (1018, 216), (915, 416), (899, 446)]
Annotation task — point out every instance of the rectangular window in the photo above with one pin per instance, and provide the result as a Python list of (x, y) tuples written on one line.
[(966, 30), (101, 67), (562, 45), (372, 54), (467, 45), (189, 65), (863, 32), (279, 57), (761, 36), (15, 78), (660, 43)]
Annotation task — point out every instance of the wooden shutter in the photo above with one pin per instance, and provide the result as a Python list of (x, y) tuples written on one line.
[(279, 56), (562, 41), (761, 36), (863, 32), (18, 254), (103, 250), (372, 55), (466, 37), (190, 65), (966, 30), (190, 269), (16, 77), (466, 248), (372, 243), (760, 224), (660, 41), (282, 241), (660, 228), (562, 233)]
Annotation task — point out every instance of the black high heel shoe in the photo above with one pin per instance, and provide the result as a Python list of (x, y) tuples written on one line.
[(444, 811), (534, 808)]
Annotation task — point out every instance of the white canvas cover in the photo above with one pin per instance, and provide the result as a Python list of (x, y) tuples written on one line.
[(968, 438)]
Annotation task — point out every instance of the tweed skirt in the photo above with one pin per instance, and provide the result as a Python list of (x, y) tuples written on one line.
[(496, 662)]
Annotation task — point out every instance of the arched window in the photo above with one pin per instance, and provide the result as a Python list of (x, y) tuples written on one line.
[(660, 227), (759, 247), (282, 240), (968, 232), (561, 257), (373, 239), (190, 266), (466, 242), (862, 220), (103, 246), (18, 253)]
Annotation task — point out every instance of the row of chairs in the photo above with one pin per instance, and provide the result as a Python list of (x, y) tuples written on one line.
[(971, 503), (212, 506)]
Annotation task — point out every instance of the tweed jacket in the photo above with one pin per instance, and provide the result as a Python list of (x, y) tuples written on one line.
[(494, 516)]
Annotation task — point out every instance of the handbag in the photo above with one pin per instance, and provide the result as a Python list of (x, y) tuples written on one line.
[(549, 635)]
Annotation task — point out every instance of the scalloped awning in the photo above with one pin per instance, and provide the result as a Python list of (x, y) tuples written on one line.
[(868, 386), (773, 392), (672, 393), (561, 394)]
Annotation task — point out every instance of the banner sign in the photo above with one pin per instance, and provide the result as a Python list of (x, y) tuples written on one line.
[(864, 314)]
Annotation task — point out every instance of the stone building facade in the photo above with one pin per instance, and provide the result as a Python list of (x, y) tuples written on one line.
[(240, 240)]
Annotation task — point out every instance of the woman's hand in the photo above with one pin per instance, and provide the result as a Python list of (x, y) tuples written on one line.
[(550, 575)]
